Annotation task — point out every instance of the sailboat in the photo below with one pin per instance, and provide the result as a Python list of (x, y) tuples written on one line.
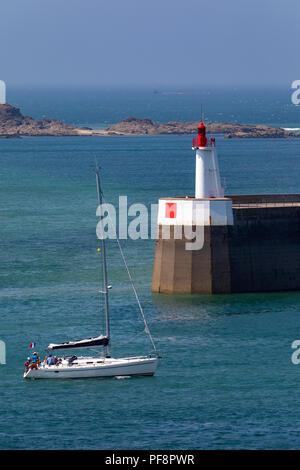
[(101, 365)]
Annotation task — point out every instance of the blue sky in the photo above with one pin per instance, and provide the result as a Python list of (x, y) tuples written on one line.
[(158, 43)]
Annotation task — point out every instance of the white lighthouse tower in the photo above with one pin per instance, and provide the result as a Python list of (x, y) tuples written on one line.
[(207, 176), (203, 265), (2, 92)]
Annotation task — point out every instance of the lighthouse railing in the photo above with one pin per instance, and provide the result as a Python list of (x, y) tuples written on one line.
[(212, 142)]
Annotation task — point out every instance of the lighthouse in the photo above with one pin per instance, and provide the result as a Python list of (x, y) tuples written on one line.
[(207, 174), (242, 243), (191, 251)]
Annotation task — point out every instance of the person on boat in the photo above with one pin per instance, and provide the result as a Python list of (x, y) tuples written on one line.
[(27, 364), (50, 360), (34, 360)]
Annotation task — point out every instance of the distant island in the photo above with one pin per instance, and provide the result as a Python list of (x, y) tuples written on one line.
[(14, 125), (135, 126)]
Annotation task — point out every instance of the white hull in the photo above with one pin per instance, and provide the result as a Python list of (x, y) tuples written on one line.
[(92, 367)]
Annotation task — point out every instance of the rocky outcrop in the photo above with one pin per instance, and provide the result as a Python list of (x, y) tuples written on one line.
[(10, 136), (135, 126), (14, 124)]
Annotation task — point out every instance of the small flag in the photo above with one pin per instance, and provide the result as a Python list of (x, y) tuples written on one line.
[(32, 345)]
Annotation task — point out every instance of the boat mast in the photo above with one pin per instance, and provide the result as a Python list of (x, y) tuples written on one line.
[(105, 291)]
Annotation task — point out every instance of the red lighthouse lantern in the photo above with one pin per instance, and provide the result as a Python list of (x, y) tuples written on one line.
[(202, 139)]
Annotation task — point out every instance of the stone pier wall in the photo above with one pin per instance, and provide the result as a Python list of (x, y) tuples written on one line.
[(260, 252), (264, 249)]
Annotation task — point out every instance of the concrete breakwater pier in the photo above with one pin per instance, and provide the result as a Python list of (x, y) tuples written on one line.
[(251, 243), (259, 251)]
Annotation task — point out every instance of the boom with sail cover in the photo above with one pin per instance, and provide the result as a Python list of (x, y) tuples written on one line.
[(80, 344)]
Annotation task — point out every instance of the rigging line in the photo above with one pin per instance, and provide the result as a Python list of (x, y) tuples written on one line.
[(133, 286)]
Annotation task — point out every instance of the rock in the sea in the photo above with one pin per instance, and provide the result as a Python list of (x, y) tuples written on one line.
[(136, 126), (10, 136), (132, 125), (14, 124)]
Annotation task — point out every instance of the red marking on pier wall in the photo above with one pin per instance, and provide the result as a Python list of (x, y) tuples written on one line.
[(171, 210)]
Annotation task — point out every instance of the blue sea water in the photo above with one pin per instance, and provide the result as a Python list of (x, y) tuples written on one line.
[(226, 380)]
